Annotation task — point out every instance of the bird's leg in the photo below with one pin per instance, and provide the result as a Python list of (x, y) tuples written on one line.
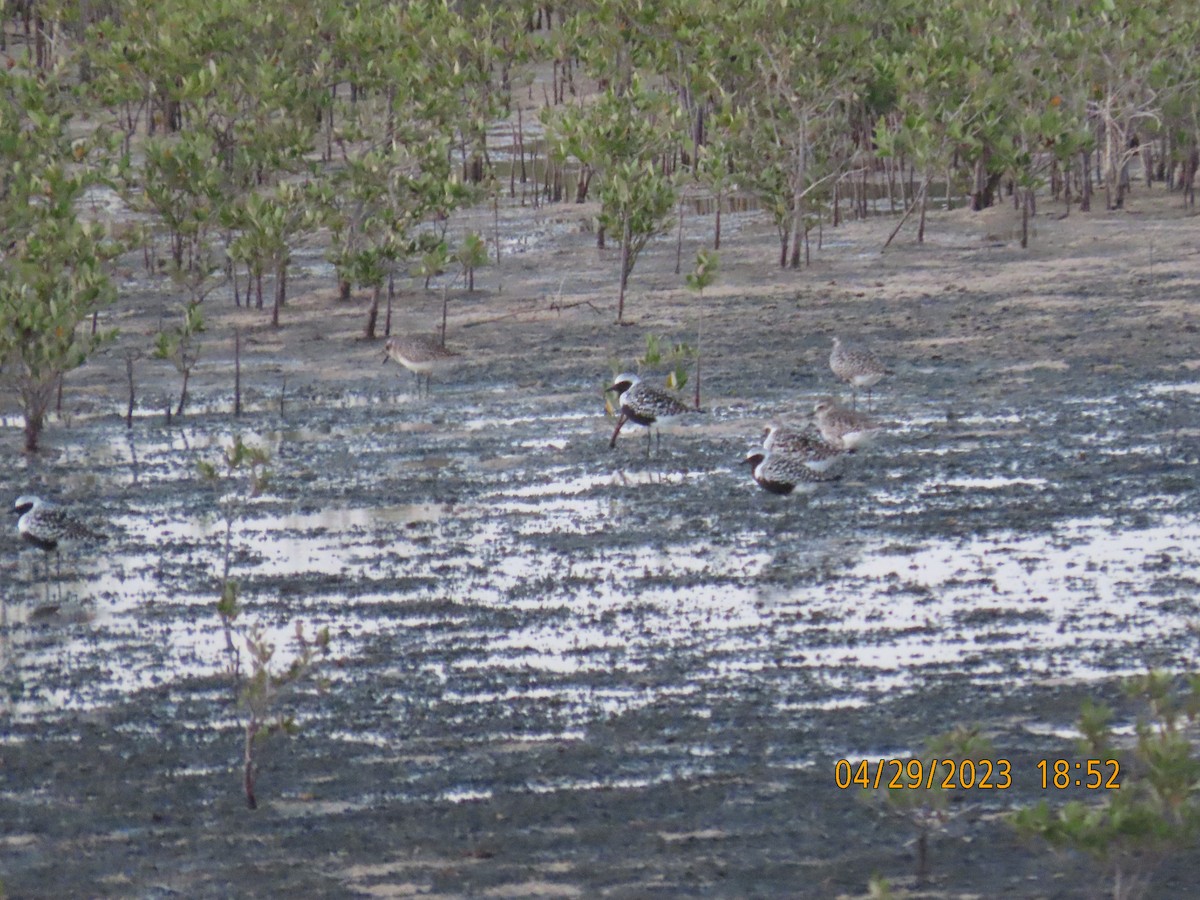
[(620, 421)]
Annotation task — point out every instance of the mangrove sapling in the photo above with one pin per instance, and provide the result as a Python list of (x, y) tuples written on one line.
[(623, 140), (268, 224), (677, 357), (471, 255), (181, 346), (265, 688), (262, 688), (698, 279), (922, 802), (242, 479), (1143, 802), (55, 268), (435, 256)]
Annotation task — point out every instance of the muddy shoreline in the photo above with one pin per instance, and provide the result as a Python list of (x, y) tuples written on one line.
[(560, 670)]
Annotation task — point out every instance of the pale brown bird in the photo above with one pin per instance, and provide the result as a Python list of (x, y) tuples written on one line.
[(843, 427), (423, 355), (858, 367)]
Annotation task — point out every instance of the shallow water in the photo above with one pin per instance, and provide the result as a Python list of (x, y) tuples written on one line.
[(526, 563)]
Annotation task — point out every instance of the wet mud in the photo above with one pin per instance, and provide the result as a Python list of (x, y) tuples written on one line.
[(560, 670)]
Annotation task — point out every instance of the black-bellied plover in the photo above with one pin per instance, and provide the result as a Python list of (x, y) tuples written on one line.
[(782, 473), (421, 354), (48, 527), (858, 367), (843, 427), (642, 404), (808, 444)]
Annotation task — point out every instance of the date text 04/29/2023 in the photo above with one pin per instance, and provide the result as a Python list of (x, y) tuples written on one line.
[(974, 774)]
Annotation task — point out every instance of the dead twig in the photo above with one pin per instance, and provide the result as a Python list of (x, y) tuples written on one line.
[(554, 307)]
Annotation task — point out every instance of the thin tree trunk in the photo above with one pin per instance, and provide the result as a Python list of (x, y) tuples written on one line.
[(387, 319), (129, 378), (445, 310), (679, 239), (33, 430), (373, 312), (911, 209), (624, 271), (496, 226), (248, 776), (183, 392), (717, 234), (237, 371), (797, 194), (924, 207), (1085, 185), (1066, 185), (280, 292)]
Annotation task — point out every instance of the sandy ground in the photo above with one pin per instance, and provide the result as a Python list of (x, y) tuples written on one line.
[(560, 670)]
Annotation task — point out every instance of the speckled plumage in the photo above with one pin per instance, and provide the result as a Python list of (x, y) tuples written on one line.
[(642, 404), (423, 355), (857, 366), (46, 525), (816, 452), (782, 473), (843, 427)]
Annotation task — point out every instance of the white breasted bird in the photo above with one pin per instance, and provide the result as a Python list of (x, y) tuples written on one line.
[(642, 404)]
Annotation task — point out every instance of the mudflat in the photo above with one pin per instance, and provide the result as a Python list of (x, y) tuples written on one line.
[(560, 670)]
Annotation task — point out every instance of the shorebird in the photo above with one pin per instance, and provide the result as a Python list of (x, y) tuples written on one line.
[(782, 473), (843, 427), (858, 367), (48, 527), (816, 452), (421, 354), (642, 404)]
